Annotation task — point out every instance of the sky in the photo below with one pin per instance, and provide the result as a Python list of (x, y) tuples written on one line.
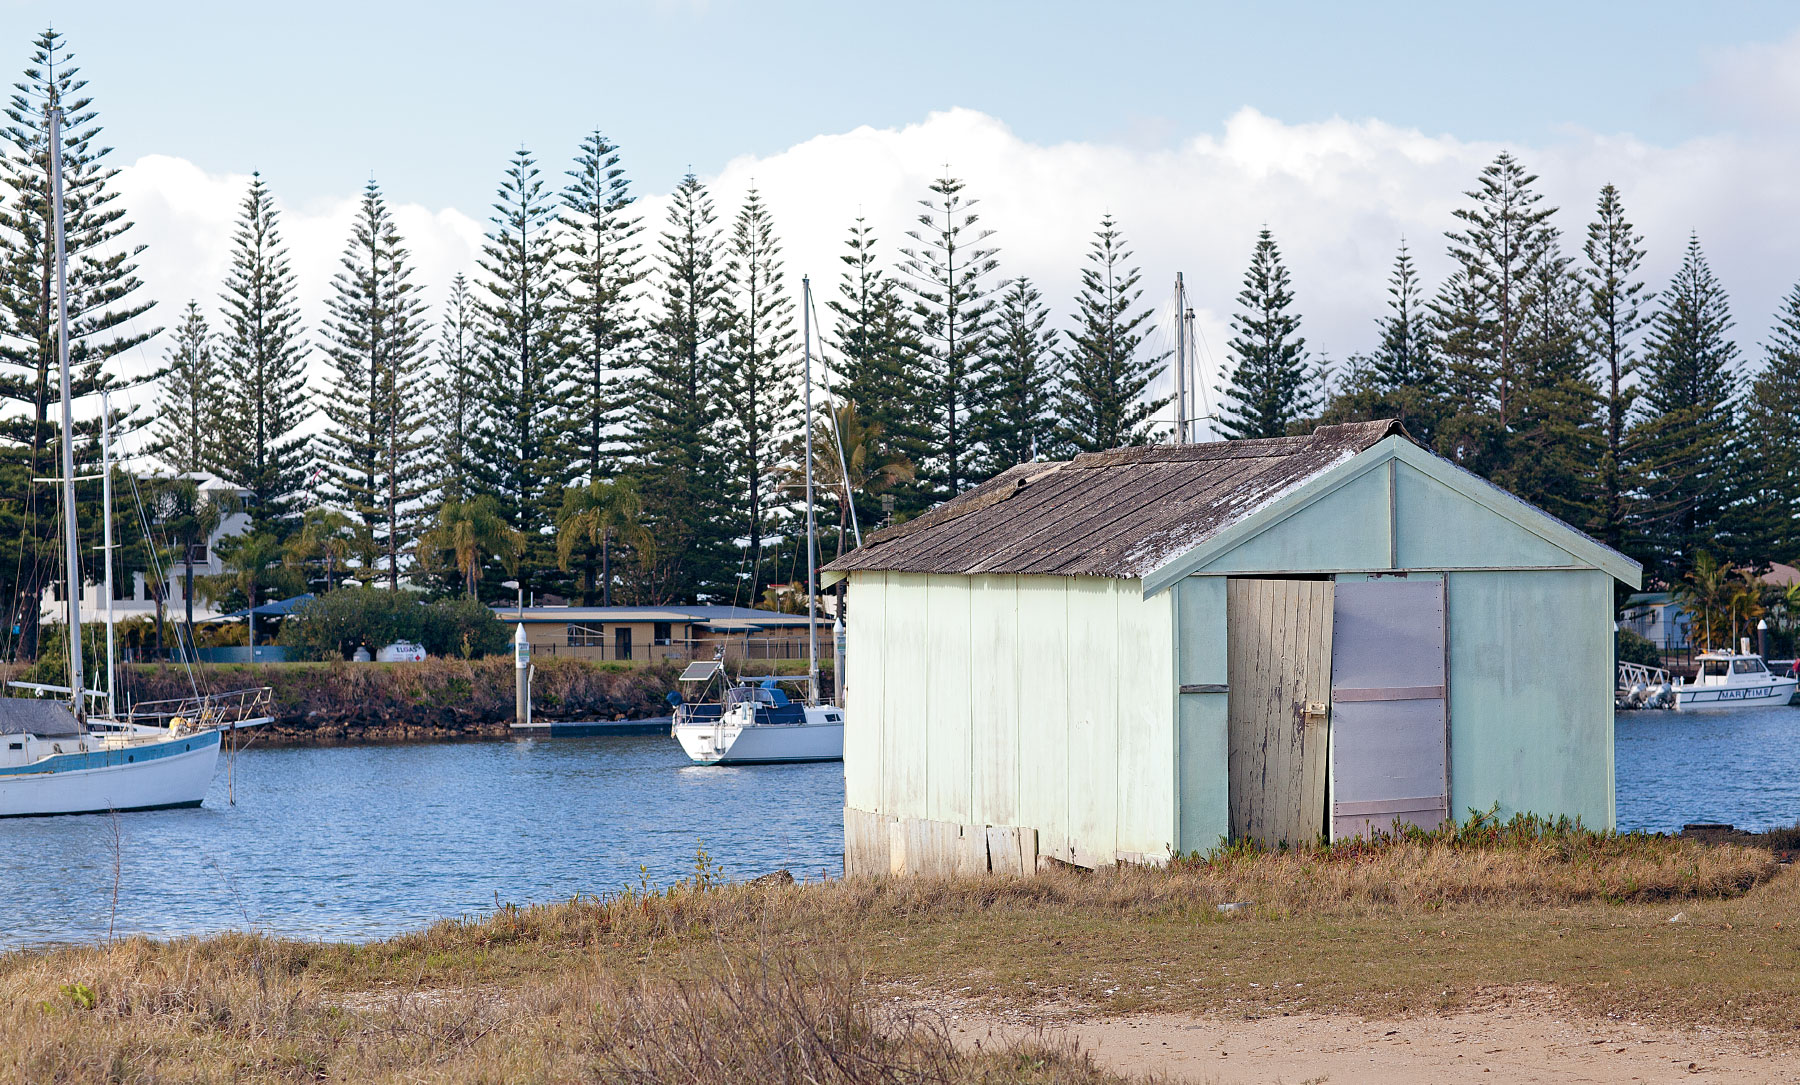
[(1342, 128)]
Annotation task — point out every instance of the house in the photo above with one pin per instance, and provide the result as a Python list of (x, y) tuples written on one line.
[(1149, 650), (1658, 618), (665, 632), (135, 597)]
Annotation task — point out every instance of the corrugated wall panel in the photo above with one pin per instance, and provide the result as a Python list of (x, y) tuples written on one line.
[(1203, 747), (1345, 529), (994, 698), (905, 678), (1092, 682), (1146, 693), (1438, 528), (864, 693), (1531, 677), (948, 654), (1044, 710)]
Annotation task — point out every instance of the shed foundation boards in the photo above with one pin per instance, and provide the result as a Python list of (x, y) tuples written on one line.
[(1277, 640)]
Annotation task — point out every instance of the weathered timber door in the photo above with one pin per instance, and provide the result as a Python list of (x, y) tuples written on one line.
[(1390, 740), (1278, 674)]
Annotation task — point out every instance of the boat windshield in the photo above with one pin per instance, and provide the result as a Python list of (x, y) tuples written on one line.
[(749, 693), (1715, 668), (1749, 666)]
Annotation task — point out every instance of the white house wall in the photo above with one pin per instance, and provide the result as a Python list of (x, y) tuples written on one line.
[(1042, 704)]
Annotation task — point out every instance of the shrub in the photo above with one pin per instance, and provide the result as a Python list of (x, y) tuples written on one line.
[(334, 625), (1628, 647)]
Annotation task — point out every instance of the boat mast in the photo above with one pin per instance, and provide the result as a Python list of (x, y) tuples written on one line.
[(812, 557), (106, 549), (1181, 394), (77, 686)]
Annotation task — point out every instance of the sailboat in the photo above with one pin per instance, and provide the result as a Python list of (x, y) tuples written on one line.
[(56, 758), (754, 721)]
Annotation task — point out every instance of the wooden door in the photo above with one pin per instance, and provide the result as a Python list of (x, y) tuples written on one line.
[(1278, 678), (1390, 749)]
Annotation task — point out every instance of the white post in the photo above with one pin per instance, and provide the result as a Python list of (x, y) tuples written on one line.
[(77, 681), (521, 677), (812, 557), (106, 549)]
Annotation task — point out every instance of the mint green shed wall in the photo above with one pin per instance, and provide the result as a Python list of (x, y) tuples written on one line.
[(1531, 693), (1036, 701), (1528, 625)]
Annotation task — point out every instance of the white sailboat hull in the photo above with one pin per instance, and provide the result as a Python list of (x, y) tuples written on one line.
[(139, 776), (728, 743)]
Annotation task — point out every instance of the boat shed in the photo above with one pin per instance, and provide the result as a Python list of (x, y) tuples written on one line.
[(1146, 651)]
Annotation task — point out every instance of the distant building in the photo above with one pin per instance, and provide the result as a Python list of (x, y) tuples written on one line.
[(134, 597), (665, 632), (1141, 652), (1658, 618)]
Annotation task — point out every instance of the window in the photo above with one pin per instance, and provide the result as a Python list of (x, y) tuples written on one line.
[(622, 643), (587, 636), (197, 554), (662, 633), (1714, 668), (1749, 666)]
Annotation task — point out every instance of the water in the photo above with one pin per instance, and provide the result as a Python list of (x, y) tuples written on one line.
[(358, 842), (1738, 766)]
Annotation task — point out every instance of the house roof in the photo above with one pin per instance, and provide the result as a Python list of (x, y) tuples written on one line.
[(1115, 514), (1159, 512), (723, 617)]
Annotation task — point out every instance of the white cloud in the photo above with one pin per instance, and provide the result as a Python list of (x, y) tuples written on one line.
[(1338, 195)]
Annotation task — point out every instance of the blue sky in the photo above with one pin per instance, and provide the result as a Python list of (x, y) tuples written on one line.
[(432, 98), (1343, 128)]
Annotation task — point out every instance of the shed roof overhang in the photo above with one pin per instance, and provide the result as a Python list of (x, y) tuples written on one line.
[(1583, 551)]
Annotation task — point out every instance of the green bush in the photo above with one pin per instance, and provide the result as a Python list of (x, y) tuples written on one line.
[(334, 625), (1629, 647)]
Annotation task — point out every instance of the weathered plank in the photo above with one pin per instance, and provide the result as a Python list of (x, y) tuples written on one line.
[(1278, 664)]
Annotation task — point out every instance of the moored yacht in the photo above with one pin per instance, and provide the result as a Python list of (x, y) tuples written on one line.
[(56, 758), (754, 723), (1733, 680)]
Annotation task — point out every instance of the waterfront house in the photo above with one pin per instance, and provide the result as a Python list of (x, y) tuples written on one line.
[(1658, 618), (135, 596), (1146, 651), (665, 632)]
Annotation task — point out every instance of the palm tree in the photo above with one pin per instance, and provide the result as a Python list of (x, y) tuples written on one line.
[(1706, 594), (252, 563), (1743, 605), (473, 531), (588, 517), (870, 469), (327, 536)]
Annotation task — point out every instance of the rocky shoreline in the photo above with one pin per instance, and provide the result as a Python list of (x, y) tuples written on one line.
[(436, 700)]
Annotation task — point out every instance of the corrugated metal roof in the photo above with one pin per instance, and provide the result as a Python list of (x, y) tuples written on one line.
[(1118, 514)]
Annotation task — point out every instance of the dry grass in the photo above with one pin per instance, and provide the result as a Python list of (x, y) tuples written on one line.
[(708, 982)]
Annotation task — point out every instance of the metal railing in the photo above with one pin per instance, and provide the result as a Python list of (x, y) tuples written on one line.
[(208, 711)]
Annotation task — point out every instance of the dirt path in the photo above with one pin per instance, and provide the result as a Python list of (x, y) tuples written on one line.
[(1512, 1043)]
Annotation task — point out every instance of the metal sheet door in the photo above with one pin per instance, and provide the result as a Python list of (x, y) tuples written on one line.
[(1278, 674), (1390, 725)]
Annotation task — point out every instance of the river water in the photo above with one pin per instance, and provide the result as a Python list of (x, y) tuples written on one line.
[(357, 842)]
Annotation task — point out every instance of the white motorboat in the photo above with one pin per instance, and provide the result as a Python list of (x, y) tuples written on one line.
[(1733, 680), (54, 757)]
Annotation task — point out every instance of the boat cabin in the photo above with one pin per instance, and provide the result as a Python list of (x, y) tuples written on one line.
[(1144, 652)]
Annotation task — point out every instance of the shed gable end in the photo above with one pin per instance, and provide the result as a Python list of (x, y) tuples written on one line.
[(1437, 528), (1394, 506)]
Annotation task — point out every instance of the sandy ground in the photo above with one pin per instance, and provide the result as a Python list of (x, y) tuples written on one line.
[(1511, 1043)]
